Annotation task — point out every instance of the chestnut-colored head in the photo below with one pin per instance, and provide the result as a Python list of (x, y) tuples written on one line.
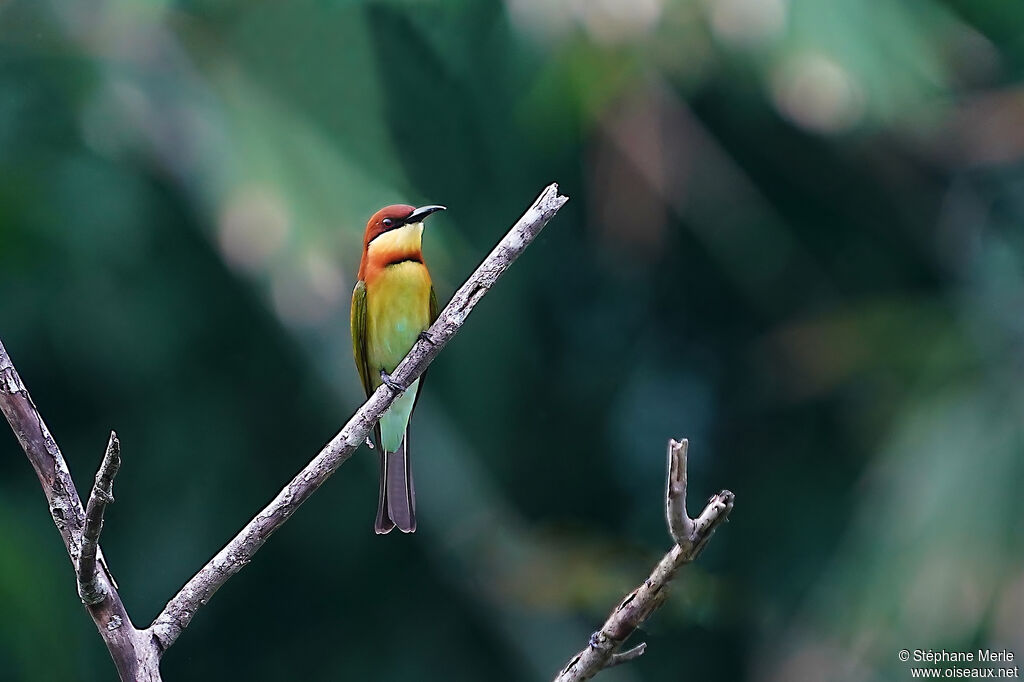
[(388, 218), (393, 221)]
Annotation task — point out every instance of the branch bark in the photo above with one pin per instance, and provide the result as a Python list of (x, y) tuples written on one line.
[(137, 653), (102, 494), (690, 536)]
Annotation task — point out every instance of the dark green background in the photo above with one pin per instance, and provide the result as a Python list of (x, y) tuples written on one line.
[(793, 237)]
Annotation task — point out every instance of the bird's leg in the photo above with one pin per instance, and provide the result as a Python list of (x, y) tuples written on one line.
[(390, 383), (425, 336)]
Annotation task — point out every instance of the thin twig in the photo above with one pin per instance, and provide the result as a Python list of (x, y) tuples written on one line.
[(627, 656), (102, 494), (690, 536), (239, 551), (680, 525)]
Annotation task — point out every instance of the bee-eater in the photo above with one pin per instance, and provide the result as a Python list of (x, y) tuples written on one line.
[(392, 305)]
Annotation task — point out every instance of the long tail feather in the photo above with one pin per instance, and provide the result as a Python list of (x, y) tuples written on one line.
[(400, 492), (383, 524)]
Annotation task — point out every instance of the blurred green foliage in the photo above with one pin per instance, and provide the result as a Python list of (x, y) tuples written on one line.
[(794, 237)]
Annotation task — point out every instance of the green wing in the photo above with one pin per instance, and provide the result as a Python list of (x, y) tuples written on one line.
[(359, 335)]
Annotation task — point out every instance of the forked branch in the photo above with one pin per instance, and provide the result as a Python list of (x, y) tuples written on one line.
[(133, 650), (690, 536)]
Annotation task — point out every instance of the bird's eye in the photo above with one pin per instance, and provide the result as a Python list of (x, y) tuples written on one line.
[(388, 222)]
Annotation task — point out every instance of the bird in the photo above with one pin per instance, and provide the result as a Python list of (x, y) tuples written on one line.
[(393, 304)]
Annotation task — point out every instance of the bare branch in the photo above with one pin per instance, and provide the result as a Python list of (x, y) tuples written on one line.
[(690, 537), (239, 551), (102, 494), (715, 514), (43, 454), (132, 651)]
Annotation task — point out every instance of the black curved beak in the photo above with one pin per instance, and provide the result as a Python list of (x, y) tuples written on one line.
[(422, 212)]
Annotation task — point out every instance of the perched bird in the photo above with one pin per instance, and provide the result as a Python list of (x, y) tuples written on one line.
[(393, 304)]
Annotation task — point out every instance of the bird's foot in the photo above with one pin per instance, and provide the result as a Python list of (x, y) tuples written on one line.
[(425, 336), (391, 383)]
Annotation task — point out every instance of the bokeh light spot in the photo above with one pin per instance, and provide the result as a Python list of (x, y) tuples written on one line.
[(253, 226), (747, 22), (817, 93)]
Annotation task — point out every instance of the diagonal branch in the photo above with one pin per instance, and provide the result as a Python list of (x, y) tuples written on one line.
[(239, 551), (102, 494), (690, 535)]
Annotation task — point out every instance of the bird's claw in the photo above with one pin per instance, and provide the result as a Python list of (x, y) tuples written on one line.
[(594, 639), (391, 383)]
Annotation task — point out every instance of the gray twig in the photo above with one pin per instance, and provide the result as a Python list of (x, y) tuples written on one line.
[(627, 656), (89, 588), (680, 525), (690, 537)]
